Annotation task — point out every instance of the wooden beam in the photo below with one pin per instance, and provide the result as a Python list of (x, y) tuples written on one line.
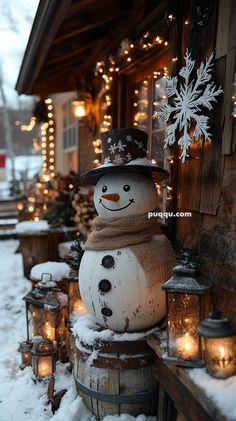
[(81, 56), (224, 10), (90, 26), (118, 33), (227, 106), (66, 57)]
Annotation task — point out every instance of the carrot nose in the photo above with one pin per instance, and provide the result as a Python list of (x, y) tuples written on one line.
[(114, 197)]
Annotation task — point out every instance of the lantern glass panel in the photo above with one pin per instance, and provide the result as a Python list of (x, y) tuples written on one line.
[(220, 356), (26, 358), (43, 323), (44, 366), (183, 319)]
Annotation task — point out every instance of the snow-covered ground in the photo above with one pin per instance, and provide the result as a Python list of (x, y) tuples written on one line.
[(20, 398)]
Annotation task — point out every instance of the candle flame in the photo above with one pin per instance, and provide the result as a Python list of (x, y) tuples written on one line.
[(222, 351)]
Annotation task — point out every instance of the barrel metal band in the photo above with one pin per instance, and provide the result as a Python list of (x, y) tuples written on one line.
[(116, 399)]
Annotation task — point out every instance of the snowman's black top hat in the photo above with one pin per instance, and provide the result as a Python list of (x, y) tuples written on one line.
[(125, 150)]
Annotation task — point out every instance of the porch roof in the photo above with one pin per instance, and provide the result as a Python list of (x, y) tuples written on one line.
[(68, 37)]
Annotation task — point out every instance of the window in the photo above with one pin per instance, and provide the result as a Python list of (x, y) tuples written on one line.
[(149, 92), (70, 127), (148, 95)]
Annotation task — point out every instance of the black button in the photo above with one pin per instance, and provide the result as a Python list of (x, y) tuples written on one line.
[(108, 261), (106, 312), (104, 285)]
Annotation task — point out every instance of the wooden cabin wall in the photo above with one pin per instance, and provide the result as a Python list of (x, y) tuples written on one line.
[(85, 149), (207, 182)]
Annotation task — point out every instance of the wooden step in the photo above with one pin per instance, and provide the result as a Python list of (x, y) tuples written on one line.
[(8, 215), (7, 234), (8, 205)]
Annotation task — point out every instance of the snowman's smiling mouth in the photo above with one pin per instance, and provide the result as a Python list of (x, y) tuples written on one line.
[(114, 210)]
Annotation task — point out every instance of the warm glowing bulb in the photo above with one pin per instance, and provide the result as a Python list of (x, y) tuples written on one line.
[(50, 115), (51, 159), (51, 130)]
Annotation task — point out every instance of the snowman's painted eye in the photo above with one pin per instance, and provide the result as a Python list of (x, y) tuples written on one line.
[(126, 187), (104, 189)]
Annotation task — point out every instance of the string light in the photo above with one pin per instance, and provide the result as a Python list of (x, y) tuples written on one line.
[(127, 52), (27, 127), (47, 142)]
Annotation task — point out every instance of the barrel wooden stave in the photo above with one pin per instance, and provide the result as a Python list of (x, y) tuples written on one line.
[(126, 380)]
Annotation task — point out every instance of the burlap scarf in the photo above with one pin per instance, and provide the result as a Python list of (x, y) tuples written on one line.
[(155, 254)]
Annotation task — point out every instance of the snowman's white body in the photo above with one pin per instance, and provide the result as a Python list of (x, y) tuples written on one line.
[(132, 305)]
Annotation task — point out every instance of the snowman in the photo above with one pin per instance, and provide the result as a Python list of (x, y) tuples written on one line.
[(126, 258)]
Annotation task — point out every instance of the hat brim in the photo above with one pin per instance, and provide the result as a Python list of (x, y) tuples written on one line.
[(157, 174)]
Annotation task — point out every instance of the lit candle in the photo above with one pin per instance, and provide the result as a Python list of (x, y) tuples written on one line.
[(44, 366), (49, 331), (221, 359), (79, 307), (187, 346)]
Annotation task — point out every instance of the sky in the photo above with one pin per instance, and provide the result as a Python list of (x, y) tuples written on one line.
[(16, 18)]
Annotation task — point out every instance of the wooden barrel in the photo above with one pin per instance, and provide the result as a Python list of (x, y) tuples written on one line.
[(42, 246), (116, 377)]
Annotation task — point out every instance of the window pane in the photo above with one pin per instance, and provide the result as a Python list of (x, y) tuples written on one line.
[(158, 126), (140, 104)]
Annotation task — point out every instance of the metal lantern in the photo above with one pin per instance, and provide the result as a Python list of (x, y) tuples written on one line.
[(25, 348), (82, 104), (79, 108), (44, 359), (187, 304), (70, 286), (46, 314), (219, 341)]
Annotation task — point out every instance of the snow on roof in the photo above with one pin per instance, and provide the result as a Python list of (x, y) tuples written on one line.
[(86, 330), (31, 227), (58, 270)]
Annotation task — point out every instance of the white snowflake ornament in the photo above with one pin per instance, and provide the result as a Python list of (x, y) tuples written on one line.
[(188, 101)]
